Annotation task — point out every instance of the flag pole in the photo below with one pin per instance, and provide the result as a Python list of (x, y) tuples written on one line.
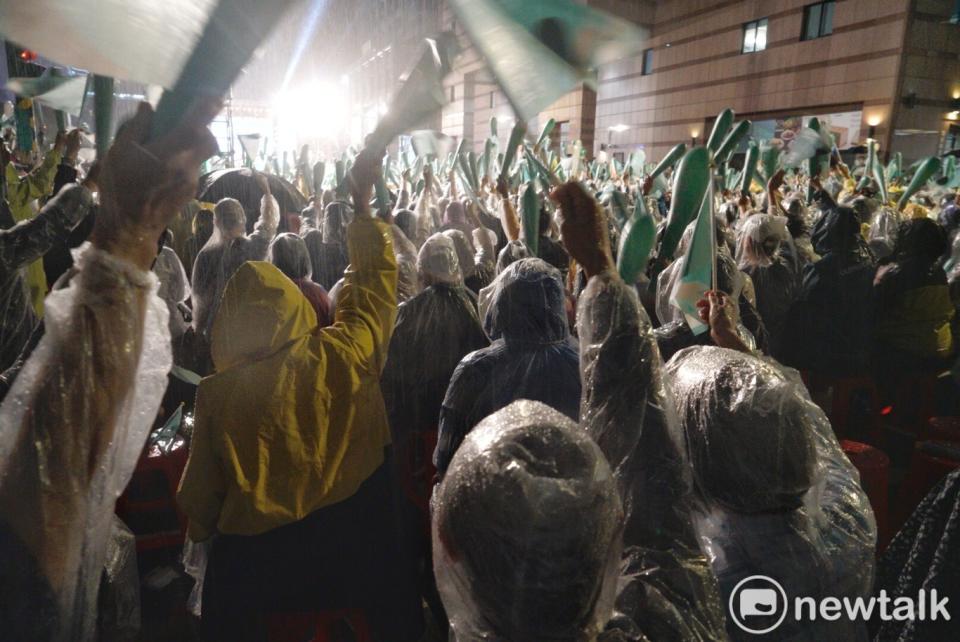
[(713, 237)]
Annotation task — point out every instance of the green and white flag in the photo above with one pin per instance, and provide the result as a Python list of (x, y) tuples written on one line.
[(538, 50), (697, 269)]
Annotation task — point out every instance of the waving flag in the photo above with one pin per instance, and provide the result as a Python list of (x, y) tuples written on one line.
[(538, 50), (699, 264)]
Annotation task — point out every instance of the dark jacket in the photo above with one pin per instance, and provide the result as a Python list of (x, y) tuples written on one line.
[(20, 246), (532, 356), (830, 327), (434, 331)]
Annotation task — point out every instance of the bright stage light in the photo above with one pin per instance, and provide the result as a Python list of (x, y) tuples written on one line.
[(308, 112)]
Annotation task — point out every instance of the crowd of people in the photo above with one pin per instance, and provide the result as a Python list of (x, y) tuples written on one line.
[(427, 402)]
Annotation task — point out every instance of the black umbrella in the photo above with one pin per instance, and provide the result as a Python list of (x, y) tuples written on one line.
[(241, 185)]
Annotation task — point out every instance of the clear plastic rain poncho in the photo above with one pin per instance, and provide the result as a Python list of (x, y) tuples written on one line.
[(666, 589), (532, 356), (228, 249), (778, 497), (71, 431), (434, 331), (328, 245), (511, 253), (22, 245), (774, 279), (882, 235), (174, 289), (526, 530), (408, 283)]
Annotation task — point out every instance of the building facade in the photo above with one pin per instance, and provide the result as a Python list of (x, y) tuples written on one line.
[(883, 68), (890, 68)]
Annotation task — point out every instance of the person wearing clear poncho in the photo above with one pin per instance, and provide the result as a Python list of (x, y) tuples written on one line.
[(528, 526), (327, 244), (74, 423), (434, 331), (776, 494), (228, 248), (774, 278), (830, 327), (532, 356)]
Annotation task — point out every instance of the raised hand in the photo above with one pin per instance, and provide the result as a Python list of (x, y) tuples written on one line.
[(582, 228), (144, 183)]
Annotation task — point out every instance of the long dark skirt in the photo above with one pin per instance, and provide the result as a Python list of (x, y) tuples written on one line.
[(344, 556)]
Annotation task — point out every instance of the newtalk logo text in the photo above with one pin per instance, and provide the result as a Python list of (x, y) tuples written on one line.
[(758, 604)]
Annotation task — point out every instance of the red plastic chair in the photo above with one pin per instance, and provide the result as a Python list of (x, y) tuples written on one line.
[(148, 505), (931, 462), (874, 468), (318, 627), (841, 397)]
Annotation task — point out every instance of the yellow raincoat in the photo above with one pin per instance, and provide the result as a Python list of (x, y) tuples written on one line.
[(21, 192), (293, 420)]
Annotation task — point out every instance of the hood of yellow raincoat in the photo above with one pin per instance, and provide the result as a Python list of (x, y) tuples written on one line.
[(261, 312)]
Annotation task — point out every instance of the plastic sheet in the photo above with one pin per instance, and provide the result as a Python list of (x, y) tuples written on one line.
[(778, 496), (228, 249), (437, 262), (532, 356), (408, 283), (441, 321), (666, 588), (882, 236), (509, 561), (174, 289), (22, 245), (327, 245), (119, 612), (288, 252), (58, 486), (774, 278)]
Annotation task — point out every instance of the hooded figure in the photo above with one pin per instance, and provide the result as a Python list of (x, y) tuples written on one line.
[(287, 461), (289, 253), (510, 562), (775, 282), (434, 331), (327, 247), (777, 496), (465, 255), (523, 472), (914, 309), (455, 218), (830, 326), (532, 356), (511, 253), (228, 248)]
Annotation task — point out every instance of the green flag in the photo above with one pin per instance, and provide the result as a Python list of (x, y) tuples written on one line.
[(697, 269), (538, 50)]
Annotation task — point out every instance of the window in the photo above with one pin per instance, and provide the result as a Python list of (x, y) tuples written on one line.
[(818, 20), (755, 36), (647, 68)]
